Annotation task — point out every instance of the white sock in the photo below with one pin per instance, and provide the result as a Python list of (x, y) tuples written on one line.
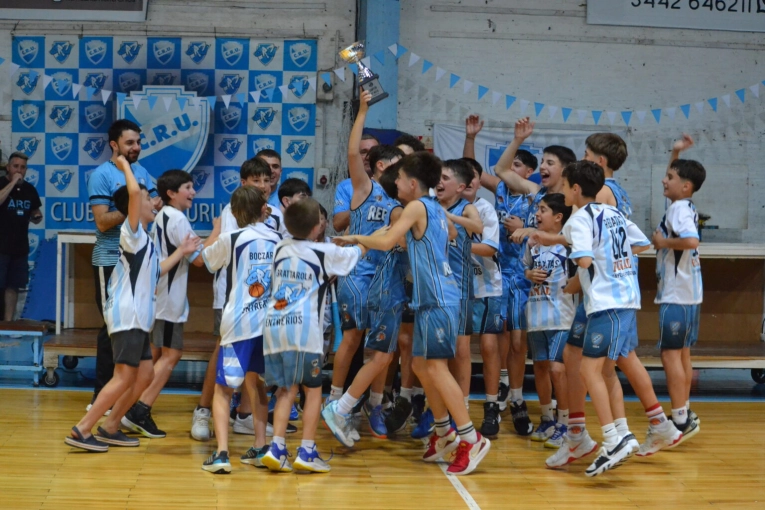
[(346, 403), (563, 417), (516, 395), (504, 377), (280, 442), (688, 404), (467, 433), (680, 416), (467, 402), (406, 393), (621, 426), (610, 435), (547, 411), (417, 391), (491, 398), (308, 445), (375, 399), (335, 393)]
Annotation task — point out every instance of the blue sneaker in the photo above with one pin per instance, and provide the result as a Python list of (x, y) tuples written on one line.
[(558, 437), (376, 420), (311, 461), (426, 426), (217, 463), (338, 423), (544, 430), (276, 459), (254, 456), (294, 413)]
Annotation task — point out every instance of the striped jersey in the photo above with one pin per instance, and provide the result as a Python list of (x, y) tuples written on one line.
[(370, 216), (247, 254), (679, 271), (508, 205), (460, 259), (133, 283), (300, 282), (433, 281), (387, 287), (102, 183), (170, 229), (275, 221), (487, 276), (548, 307), (622, 199), (603, 233)]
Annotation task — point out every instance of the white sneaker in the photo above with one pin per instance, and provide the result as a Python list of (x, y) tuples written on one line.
[(247, 426), (571, 451), (656, 440), (200, 424), (610, 458), (339, 424), (107, 413), (355, 423)]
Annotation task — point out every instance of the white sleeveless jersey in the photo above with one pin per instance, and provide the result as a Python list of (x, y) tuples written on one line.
[(133, 283), (275, 221), (603, 233), (300, 283), (487, 280), (247, 254), (548, 307), (170, 229), (679, 271)]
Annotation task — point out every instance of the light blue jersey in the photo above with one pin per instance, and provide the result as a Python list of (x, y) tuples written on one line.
[(366, 219), (679, 271), (621, 197), (548, 307), (601, 232), (531, 217), (460, 258), (273, 199), (343, 195), (508, 205), (433, 282), (388, 284)]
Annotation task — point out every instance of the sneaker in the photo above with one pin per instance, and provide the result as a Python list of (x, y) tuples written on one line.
[(276, 459), (337, 423), (633, 443), (557, 439), (142, 423), (254, 456), (387, 403), (544, 430), (418, 408), (107, 413), (656, 440), (398, 416), (294, 413), (217, 464), (521, 421), (376, 421), (310, 461), (609, 459), (571, 451), (693, 416), (491, 419), (232, 417), (116, 439), (200, 424), (90, 443), (247, 426), (469, 456), (690, 429), (355, 426), (425, 427), (504, 393), (441, 446)]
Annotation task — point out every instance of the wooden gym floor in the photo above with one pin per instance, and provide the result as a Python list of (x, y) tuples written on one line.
[(721, 467)]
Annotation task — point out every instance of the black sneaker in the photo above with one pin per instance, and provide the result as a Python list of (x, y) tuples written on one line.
[(689, 429), (418, 407), (291, 429), (217, 463), (491, 419), (90, 443), (694, 417), (521, 421), (116, 439), (504, 392), (142, 423), (399, 414), (610, 459)]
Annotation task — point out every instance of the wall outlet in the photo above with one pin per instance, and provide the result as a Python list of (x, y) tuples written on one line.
[(322, 177)]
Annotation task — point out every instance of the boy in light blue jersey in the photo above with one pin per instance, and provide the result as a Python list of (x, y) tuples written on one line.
[(436, 299), (341, 213), (456, 175), (550, 312), (292, 332), (129, 316), (247, 253), (680, 291)]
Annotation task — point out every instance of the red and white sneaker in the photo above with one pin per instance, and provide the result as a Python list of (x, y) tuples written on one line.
[(469, 456), (441, 446)]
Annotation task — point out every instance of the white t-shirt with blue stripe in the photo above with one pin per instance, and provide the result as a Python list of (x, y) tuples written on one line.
[(679, 271), (548, 307), (487, 273)]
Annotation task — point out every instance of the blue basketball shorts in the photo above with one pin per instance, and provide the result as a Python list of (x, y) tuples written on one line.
[(465, 322), (235, 360), (547, 345), (352, 299), (678, 325), (576, 334), (384, 325), (488, 317), (516, 291), (435, 332), (610, 333), (288, 368)]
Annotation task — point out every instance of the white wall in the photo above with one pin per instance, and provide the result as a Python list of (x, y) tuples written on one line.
[(225, 18), (543, 50)]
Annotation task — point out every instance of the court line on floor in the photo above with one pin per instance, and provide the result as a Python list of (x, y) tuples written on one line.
[(461, 490)]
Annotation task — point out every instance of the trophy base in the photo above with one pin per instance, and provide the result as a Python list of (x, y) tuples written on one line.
[(372, 85), (377, 99)]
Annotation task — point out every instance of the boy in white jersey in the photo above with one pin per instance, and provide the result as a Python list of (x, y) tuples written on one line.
[(679, 292), (248, 253), (129, 316), (549, 314), (293, 339), (171, 226)]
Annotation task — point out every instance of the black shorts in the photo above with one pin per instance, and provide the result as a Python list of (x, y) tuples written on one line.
[(167, 334), (14, 271), (131, 347), (408, 316)]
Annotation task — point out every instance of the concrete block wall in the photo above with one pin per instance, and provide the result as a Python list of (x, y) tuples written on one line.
[(543, 50)]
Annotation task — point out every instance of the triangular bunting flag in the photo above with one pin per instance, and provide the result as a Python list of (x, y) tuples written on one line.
[(270, 94), (671, 112), (509, 100), (495, 97), (167, 101), (450, 105), (713, 103), (76, 87), (524, 106), (627, 117), (46, 81), (283, 89), (566, 112), (182, 102), (105, 95), (755, 89), (641, 115), (686, 109), (327, 78), (581, 114), (393, 48), (340, 72), (426, 65), (311, 83), (440, 73), (354, 70), (242, 97), (226, 99), (255, 97), (482, 91), (1, 60), (136, 100), (379, 56), (12, 70), (453, 79), (726, 100), (152, 100), (413, 58), (551, 111), (741, 93), (700, 106), (657, 114), (90, 91), (538, 107), (466, 86), (367, 61), (211, 100), (400, 50), (121, 98), (611, 117), (422, 93), (596, 116)]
